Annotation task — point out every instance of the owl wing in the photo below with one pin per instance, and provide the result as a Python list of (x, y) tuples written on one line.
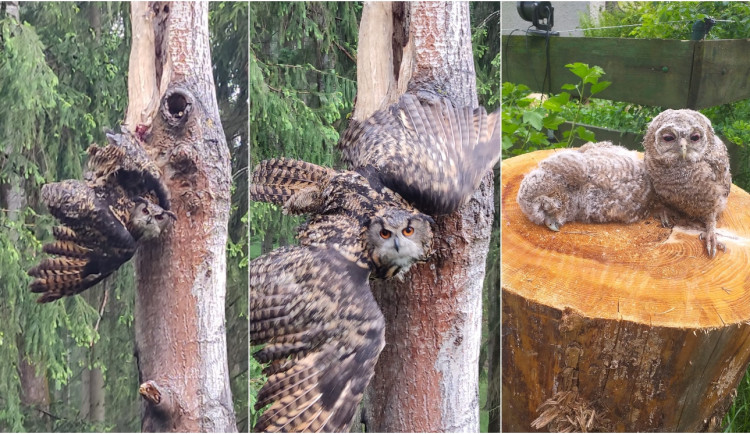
[(124, 163), (432, 154), (720, 165), (278, 179), (323, 333), (88, 247)]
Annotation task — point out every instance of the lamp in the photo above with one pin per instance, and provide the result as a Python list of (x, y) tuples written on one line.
[(541, 15)]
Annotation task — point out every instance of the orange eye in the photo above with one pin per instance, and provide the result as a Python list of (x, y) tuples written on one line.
[(385, 234), (408, 231)]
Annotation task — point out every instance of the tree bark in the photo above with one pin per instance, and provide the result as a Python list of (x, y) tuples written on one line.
[(426, 378), (493, 324), (180, 301), (613, 327)]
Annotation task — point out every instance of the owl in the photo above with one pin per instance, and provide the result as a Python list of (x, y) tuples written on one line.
[(312, 307), (689, 169), (311, 304), (103, 219), (597, 183)]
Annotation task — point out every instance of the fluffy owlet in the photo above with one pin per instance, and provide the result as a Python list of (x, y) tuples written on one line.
[(103, 218), (596, 183), (689, 169), (311, 304)]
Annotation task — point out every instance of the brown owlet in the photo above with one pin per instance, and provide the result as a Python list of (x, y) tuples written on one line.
[(689, 169), (597, 183)]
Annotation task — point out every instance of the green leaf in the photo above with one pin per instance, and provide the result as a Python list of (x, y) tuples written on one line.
[(507, 143), (600, 86), (535, 118)]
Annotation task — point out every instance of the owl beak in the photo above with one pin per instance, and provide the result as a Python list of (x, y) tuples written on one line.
[(683, 144), (395, 243), (552, 224)]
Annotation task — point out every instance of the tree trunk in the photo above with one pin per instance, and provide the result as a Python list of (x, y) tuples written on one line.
[(612, 327), (426, 378), (493, 324), (180, 301), (34, 386)]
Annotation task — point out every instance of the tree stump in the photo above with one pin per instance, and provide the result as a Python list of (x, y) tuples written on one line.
[(614, 327)]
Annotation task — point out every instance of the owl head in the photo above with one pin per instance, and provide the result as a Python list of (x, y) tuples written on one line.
[(544, 199), (678, 135), (397, 238), (148, 220)]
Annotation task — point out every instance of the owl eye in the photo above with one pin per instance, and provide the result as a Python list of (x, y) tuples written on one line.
[(408, 231), (385, 234), (145, 211), (695, 137), (160, 217), (668, 137)]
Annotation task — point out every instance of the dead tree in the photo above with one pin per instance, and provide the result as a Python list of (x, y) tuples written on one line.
[(179, 309), (426, 378)]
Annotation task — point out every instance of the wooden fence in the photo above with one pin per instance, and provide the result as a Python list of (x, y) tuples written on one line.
[(654, 72)]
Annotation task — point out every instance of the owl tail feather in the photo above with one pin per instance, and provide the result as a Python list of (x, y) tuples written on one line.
[(278, 179)]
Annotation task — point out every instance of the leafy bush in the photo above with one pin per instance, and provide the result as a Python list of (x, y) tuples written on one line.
[(529, 121)]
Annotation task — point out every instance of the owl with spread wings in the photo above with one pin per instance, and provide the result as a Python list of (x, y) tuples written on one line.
[(311, 304), (121, 201)]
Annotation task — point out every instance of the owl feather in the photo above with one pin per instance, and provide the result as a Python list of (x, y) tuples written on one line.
[(432, 154), (323, 332), (597, 183)]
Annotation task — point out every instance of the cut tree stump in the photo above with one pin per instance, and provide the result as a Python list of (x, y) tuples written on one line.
[(614, 327)]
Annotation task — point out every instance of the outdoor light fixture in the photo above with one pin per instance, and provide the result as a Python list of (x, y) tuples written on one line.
[(541, 15)]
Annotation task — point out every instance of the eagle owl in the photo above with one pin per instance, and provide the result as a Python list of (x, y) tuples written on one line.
[(599, 182), (689, 169), (311, 304), (103, 218)]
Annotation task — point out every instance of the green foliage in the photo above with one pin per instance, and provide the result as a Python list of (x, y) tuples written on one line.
[(228, 24), (528, 121), (63, 79), (674, 20), (485, 41), (670, 20)]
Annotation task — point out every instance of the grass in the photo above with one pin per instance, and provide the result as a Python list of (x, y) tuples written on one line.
[(737, 418)]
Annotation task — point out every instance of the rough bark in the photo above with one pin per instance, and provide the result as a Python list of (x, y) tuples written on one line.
[(179, 309), (34, 385), (615, 327), (427, 376), (493, 325)]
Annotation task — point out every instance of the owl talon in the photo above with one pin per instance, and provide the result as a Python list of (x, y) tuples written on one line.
[(712, 243), (665, 223)]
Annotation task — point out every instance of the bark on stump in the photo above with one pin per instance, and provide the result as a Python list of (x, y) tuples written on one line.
[(620, 327)]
